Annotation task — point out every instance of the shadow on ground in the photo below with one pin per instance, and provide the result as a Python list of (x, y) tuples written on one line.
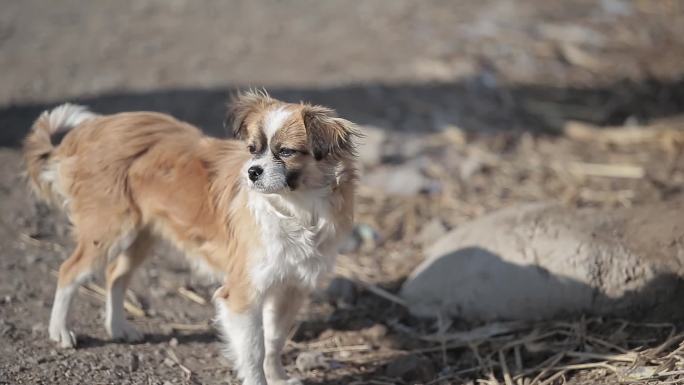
[(469, 104)]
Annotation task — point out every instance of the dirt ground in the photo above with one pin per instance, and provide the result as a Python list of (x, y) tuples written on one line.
[(478, 96)]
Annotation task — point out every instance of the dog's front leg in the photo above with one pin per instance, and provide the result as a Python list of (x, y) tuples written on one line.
[(280, 311), (242, 328)]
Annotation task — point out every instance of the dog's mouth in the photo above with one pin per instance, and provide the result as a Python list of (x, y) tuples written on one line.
[(266, 186)]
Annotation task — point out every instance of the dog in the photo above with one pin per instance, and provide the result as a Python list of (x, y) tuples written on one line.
[(263, 212)]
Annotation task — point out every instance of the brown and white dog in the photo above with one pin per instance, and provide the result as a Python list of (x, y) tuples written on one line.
[(264, 214)]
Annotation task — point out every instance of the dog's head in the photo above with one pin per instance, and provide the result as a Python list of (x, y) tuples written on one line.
[(294, 147)]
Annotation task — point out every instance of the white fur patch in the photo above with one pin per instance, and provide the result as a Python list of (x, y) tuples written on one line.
[(299, 239), (244, 339), (274, 121), (67, 116), (59, 317)]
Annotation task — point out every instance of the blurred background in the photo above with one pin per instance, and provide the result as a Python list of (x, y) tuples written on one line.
[(519, 216)]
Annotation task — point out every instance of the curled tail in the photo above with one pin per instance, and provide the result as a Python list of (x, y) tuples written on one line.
[(38, 145)]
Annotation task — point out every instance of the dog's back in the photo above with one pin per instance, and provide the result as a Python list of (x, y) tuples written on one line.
[(114, 174), (69, 143), (122, 178)]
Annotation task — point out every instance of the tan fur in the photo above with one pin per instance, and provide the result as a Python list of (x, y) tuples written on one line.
[(263, 214), (133, 175)]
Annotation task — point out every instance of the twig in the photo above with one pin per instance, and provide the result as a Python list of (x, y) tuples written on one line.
[(353, 276), (518, 359), (597, 341), (669, 373), (40, 243), (504, 368), (383, 293), (604, 170), (546, 367), (615, 135), (130, 307), (95, 291), (188, 327), (589, 365), (669, 342), (625, 357), (348, 348), (191, 295), (442, 341), (480, 333), (174, 357), (553, 378)]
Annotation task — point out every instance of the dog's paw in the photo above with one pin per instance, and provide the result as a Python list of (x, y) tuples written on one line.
[(64, 337), (124, 331)]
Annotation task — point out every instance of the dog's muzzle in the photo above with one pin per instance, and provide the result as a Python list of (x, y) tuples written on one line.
[(254, 173)]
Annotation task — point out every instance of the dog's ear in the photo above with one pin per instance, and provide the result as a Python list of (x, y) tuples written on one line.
[(240, 107), (329, 135)]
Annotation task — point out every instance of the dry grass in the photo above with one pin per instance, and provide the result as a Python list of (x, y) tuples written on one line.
[(585, 168)]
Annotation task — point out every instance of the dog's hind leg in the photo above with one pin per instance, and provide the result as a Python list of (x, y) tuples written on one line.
[(118, 275), (73, 271)]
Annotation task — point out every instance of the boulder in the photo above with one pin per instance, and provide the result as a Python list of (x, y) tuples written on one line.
[(541, 261)]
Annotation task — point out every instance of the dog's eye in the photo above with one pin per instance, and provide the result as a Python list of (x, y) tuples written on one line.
[(285, 152), (252, 149)]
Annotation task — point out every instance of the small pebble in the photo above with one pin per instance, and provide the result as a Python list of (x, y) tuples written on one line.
[(169, 362), (37, 329), (133, 363), (173, 342), (308, 361)]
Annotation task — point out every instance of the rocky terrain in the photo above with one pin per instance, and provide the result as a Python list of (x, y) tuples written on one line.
[(469, 108)]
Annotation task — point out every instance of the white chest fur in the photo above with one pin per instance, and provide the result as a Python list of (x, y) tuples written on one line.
[(298, 239)]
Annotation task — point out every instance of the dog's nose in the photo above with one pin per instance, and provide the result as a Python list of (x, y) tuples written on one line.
[(254, 172)]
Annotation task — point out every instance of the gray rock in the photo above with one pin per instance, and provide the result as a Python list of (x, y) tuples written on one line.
[(406, 179), (342, 292), (540, 261), (308, 361)]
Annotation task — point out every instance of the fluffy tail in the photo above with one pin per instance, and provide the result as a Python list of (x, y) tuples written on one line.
[(38, 146)]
